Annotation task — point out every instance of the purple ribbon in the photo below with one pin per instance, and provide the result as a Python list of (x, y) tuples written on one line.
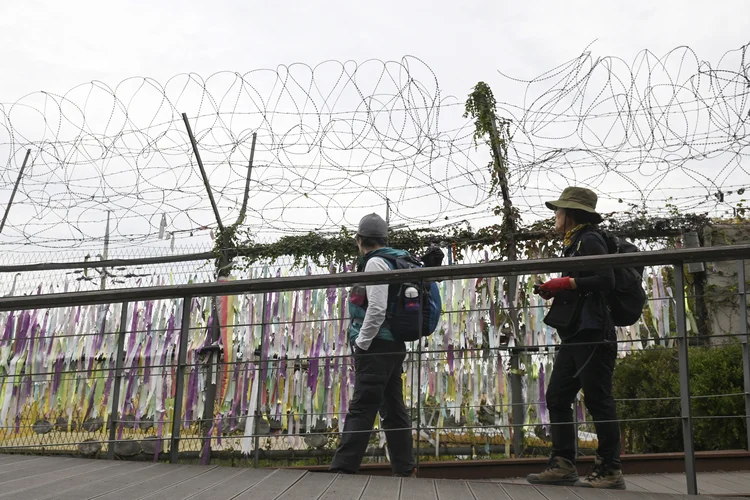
[(207, 445), (159, 432)]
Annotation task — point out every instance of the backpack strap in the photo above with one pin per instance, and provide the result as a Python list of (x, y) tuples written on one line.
[(392, 261), (600, 235), (575, 244)]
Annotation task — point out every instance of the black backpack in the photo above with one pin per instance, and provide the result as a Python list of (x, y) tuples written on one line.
[(627, 300), (410, 318)]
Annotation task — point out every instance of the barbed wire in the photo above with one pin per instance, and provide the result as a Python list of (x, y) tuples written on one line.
[(332, 138), (340, 139), (673, 125)]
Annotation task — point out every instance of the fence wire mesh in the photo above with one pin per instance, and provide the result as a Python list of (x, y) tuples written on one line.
[(284, 375)]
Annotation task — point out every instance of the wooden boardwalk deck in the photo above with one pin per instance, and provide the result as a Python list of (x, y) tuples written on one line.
[(24, 477)]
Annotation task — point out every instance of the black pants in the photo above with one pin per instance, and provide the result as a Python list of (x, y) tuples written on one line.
[(377, 388), (596, 365)]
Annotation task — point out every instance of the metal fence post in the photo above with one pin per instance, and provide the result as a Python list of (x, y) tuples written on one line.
[(419, 376), (174, 450), (745, 348), (210, 393), (686, 411), (516, 399), (576, 402), (114, 413), (518, 409), (259, 371)]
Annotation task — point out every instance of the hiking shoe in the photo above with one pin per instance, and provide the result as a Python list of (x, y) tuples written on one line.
[(413, 473), (559, 472), (336, 470), (604, 477)]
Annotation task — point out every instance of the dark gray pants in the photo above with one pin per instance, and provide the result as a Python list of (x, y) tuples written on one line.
[(377, 388), (594, 366)]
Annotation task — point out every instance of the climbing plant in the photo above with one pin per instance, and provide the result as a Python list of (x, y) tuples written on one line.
[(534, 240), (495, 133), (510, 236)]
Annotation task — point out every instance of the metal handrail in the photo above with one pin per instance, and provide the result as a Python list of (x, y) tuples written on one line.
[(462, 271)]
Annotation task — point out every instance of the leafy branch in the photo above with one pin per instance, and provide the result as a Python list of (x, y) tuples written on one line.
[(536, 240), (481, 106)]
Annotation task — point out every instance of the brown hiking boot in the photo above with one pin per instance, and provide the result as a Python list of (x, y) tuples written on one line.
[(604, 477), (413, 473), (559, 472)]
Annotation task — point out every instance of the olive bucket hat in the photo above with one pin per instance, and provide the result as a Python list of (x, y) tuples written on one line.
[(577, 198)]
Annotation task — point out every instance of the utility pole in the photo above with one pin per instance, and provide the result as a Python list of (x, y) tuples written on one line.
[(105, 253)]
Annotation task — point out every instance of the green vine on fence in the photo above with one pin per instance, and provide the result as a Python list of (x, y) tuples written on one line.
[(482, 107), (536, 240)]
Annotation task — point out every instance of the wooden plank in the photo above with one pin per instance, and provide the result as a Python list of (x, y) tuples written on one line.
[(661, 496), (677, 482), (25, 487), (38, 469), (310, 487), (522, 492), (739, 474), (740, 482), (273, 485), (450, 489), (232, 486), (38, 475), (488, 491), (418, 489), (382, 488), (138, 476), (556, 492), (7, 458), (20, 464), (649, 485), (184, 489), (594, 494), (346, 487), (38, 472), (39, 492), (715, 486), (631, 486), (138, 490)]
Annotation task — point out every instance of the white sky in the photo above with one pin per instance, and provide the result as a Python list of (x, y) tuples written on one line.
[(54, 46)]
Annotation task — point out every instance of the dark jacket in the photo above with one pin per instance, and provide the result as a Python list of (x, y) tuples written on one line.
[(593, 286)]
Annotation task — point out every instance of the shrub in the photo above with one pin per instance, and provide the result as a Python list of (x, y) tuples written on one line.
[(654, 373)]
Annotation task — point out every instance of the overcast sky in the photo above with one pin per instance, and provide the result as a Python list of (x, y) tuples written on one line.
[(53, 46), (50, 45)]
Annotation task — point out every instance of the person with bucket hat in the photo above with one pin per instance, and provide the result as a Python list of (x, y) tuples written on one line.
[(586, 357), (378, 363)]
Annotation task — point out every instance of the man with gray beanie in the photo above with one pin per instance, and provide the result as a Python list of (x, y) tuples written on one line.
[(378, 362)]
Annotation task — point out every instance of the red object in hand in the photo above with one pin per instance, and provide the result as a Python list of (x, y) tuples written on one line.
[(555, 285)]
